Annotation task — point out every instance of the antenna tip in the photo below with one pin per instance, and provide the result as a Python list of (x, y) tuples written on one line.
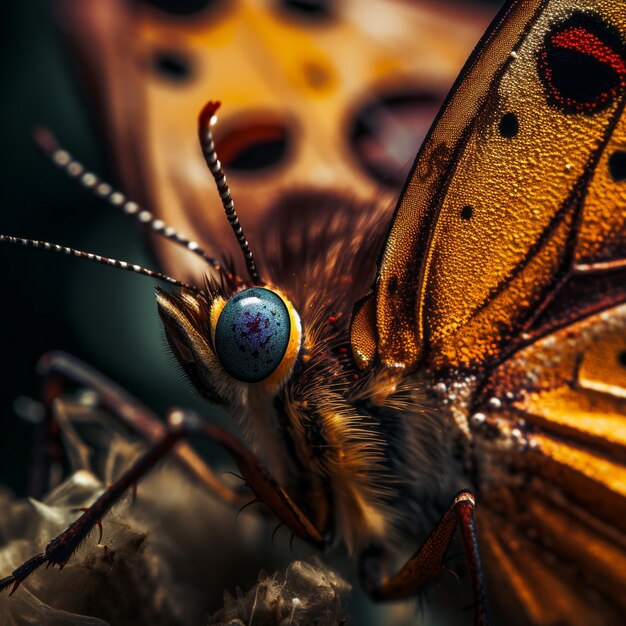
[(44, 138), (207, 112)]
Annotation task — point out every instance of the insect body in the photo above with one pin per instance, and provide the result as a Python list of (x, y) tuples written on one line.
[(479, 353)]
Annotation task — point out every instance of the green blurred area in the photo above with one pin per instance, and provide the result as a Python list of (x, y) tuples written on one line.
[(50, 302)]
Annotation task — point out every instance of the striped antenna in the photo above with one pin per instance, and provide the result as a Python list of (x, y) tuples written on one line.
[(206, 119), (62, 158), (130, 267)]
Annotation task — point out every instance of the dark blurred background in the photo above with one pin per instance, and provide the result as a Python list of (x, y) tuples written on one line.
[(49, 302)]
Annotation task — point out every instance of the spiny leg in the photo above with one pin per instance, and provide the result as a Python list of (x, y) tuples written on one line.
[(61, 548), (429, 561), (59, 368), (182, 424)]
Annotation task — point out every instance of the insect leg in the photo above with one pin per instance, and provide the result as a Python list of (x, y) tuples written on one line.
[(60, 549), (182, 424), (258, 479), (428, 562), (59, 368)]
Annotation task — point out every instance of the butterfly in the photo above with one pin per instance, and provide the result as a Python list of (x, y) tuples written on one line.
[(456, 365)]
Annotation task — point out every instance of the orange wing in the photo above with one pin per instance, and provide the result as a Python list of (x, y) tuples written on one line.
[(553, 480), (506, 259), (516, 197)]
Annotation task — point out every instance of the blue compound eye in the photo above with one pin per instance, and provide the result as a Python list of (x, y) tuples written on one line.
[(252, 334)]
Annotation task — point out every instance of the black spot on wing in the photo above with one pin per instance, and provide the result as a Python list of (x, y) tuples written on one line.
[(181, 7), (582, 64), (172, 66), (467, 212), (509, 125), (392, 286), (617, 165)]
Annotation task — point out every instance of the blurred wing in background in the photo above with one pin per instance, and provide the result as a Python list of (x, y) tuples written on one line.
[(332, 95)]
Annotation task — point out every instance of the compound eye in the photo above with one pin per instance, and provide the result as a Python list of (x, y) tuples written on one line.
[(253, 334)]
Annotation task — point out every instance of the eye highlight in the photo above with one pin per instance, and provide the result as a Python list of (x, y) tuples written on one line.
[(257, 335)]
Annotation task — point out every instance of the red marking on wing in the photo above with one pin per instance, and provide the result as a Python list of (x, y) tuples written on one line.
[(581, 40)]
